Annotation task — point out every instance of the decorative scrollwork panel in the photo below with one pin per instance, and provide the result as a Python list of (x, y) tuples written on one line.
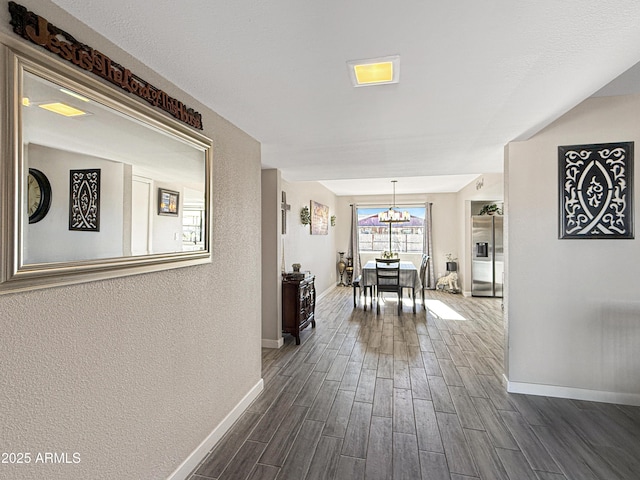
[(84, 207), (596, 190)]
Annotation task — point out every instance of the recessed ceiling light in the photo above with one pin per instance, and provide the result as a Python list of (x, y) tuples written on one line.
[(374, 71), (62, 109)]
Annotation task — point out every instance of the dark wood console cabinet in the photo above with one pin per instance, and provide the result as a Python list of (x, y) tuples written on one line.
[(298, 303)]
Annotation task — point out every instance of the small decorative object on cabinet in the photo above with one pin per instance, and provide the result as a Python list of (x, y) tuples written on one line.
[(341, 268), (298, 303)]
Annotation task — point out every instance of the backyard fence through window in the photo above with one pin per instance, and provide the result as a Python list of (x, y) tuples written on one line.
[(406, 237)]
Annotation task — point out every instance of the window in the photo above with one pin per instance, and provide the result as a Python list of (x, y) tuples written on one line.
[(406, 237), (193, 221)]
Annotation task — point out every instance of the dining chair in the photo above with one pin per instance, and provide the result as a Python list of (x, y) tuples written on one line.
[(423, 275), (358, 283), (388, 280), (412, 288)]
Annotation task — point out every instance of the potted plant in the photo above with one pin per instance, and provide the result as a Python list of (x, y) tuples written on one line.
[(492, 209), (452, 262)]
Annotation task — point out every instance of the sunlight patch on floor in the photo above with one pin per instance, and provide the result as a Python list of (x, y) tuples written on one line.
[(442, 310), (406, 302)]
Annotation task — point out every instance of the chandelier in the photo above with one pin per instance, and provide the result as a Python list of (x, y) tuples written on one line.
[(391, 215)]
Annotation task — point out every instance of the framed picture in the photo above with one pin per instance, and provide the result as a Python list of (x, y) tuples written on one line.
[(168, 201), (595, 184), (319, 219), (84, 200)]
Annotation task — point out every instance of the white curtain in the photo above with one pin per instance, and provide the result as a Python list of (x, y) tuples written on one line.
[(354, 247), (430, 282)]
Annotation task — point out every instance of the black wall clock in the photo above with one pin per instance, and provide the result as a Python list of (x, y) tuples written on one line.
[(38, 195)]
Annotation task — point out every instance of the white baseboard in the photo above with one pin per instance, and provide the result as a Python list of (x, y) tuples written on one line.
[(574, 393), (268, 343), (193, 460)]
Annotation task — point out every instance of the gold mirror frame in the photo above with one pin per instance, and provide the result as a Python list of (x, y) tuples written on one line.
[(15, 275)]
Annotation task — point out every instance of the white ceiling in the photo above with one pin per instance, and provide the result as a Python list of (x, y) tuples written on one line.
[(422, 184), (474, 75)]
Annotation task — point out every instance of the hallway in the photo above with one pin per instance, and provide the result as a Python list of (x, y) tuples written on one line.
[(369, 396)]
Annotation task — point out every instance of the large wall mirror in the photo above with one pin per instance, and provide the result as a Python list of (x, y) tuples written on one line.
[(97, 183)]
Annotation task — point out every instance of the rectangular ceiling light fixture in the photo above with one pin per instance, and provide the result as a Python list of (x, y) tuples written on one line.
[(62, 109), (374, 71)]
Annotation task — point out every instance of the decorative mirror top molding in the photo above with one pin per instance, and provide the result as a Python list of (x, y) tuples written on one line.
[(96, 184), (39, 31)]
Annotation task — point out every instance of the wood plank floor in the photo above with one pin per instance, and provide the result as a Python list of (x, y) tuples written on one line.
[(415, 396)]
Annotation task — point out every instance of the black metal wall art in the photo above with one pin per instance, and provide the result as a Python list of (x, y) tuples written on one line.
[(596, 190), (84, 201)]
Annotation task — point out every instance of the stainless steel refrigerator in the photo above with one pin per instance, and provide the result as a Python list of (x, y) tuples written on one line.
[(487, 260)]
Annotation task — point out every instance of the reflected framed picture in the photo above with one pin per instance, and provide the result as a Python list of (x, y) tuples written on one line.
[(319, 219), (168, 202)]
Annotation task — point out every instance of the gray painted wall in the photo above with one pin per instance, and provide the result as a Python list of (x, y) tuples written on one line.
[(271, 259), (316, 253), (573, 308)]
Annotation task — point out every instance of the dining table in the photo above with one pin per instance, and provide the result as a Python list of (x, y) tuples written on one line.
[(409, 278)]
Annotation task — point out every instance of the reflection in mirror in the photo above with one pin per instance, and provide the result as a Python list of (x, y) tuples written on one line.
[(64, 132), (106, 184)]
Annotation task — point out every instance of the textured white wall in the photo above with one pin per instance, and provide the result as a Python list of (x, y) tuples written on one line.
[(133, 373), (573, 307)]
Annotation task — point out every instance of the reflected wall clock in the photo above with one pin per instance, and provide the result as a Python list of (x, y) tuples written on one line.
[(38, 195)]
